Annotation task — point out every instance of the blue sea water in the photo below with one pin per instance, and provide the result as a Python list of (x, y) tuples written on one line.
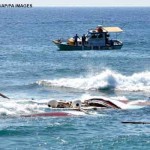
[(33, 70)]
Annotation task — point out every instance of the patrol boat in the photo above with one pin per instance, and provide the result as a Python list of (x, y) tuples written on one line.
[(95, 39)]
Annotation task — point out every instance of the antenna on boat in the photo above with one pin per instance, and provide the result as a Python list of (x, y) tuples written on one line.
[(125, 24), (102, 22)]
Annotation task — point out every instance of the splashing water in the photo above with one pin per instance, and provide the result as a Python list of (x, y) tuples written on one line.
[(105, 80)]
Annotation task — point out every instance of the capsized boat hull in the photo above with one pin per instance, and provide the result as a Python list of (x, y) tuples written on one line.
[(66, 47), (49, 114)]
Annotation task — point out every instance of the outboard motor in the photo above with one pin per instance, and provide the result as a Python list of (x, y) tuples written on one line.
[(53, 104), (76, 104)]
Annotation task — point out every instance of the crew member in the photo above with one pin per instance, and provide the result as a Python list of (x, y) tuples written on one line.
[(76, 39), (83, 39)]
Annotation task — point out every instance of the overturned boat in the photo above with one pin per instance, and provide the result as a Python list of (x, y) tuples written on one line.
[(60, 108), (96, 39)]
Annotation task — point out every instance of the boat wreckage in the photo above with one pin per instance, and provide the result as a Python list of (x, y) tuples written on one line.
[(58, 108)]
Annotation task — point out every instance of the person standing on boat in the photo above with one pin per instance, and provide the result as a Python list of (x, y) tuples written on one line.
[(83, 39), (76, 39)]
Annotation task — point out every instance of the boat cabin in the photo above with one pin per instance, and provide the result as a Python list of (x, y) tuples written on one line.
[(96, 38), (99, 36)]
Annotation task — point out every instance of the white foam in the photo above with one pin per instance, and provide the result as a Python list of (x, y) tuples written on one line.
[(104, 80), (19, 107), (76, 113)]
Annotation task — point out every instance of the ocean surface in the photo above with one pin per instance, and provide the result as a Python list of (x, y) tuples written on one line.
[(33, 71)]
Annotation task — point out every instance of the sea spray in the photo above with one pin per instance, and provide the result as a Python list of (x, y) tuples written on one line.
[(20, 107), (107, 80)]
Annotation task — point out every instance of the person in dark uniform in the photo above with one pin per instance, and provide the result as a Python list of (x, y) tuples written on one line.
[(76, 39), (83, 39)]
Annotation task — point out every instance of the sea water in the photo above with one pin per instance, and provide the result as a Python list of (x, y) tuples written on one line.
[(33, 71)]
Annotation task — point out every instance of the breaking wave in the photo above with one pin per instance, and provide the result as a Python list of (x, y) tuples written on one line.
[(103, 81), (20, 107)]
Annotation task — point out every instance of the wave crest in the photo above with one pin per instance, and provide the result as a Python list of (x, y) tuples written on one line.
[(105, 80)]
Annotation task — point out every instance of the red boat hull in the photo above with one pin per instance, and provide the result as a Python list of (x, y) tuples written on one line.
[(49, 114)]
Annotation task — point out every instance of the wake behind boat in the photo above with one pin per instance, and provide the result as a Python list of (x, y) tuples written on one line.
[(95, 39)]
